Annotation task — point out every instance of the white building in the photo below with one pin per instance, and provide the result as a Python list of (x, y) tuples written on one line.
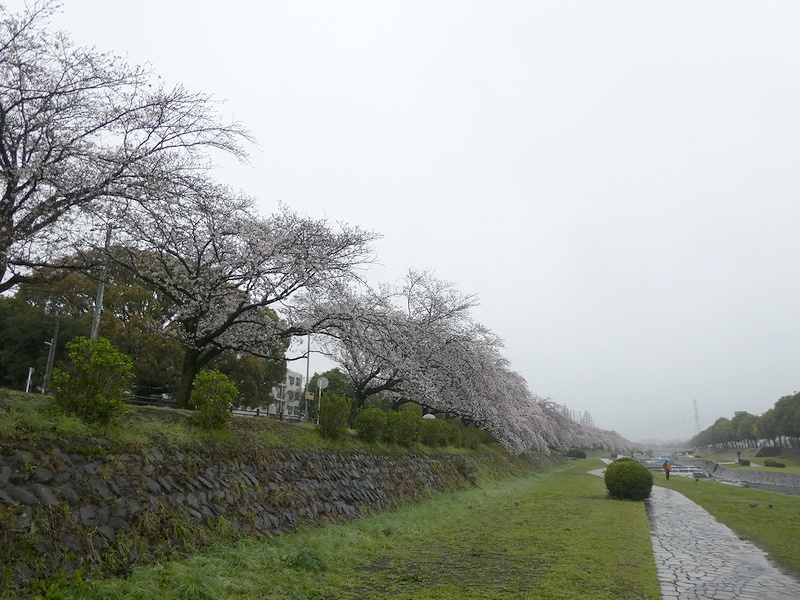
[(288, 397)]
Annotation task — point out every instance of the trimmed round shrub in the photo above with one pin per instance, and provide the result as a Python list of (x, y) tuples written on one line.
[(774, 463), (744, 462), (213, 395), (626, 459), (628, 480), (370, 424), (93, 381)]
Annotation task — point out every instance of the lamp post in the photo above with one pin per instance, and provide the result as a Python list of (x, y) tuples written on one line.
[(51, 356), (30, 377)]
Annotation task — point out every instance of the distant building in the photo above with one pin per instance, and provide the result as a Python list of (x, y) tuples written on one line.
[(288, 397)]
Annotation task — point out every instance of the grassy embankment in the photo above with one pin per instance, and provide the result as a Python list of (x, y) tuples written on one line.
[(552, 535), (30, 418)]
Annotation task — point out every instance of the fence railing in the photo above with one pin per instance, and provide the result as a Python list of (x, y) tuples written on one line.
[(259, 412), (169, 402)]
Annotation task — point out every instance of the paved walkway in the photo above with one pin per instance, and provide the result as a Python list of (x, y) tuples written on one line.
[(699, 558)]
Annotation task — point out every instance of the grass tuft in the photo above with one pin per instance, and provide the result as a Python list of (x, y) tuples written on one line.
[(306, 559)]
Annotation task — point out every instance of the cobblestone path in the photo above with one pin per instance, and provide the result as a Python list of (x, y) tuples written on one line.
[(699, 558)]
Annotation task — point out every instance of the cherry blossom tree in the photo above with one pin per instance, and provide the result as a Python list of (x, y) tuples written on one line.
[(382, 338), (232, 275), (80, 128)]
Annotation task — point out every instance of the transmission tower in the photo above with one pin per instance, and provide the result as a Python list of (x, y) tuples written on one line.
[(696, 418)]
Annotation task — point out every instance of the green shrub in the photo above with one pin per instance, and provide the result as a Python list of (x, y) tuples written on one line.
[(774, 463), (471, 438), (370, 424), (213, 394), (575, 453), (626, 459), (628, 480), (744, 462), (94, 380), (402, 427), (452, 433), (435, 432), (333, 416)]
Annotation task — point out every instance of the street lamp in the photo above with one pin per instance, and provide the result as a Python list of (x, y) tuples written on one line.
[(51, 356)]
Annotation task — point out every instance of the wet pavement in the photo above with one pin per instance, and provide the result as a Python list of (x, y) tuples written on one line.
[(699, 558)]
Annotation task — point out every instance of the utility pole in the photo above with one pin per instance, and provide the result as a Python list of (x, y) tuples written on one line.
[(98, 302)]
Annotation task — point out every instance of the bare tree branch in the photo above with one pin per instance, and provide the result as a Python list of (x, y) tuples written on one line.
[(80, 128)]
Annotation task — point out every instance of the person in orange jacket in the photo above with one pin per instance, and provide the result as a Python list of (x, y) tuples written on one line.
[(667, 468)]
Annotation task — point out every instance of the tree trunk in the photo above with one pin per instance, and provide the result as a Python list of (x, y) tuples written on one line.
[(191, 367), (398, 403), (358, 401)]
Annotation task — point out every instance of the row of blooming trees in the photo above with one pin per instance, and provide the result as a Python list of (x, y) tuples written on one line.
[(104, 171), (780, 425), (417, 342)]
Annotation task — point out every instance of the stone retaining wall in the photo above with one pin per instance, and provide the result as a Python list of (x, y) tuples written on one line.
[(102, 513)]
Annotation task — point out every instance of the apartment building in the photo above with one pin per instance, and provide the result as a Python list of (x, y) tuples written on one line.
[(288, 397)]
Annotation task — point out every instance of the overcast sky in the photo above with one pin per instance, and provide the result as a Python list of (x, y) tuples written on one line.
[(617, 181)]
